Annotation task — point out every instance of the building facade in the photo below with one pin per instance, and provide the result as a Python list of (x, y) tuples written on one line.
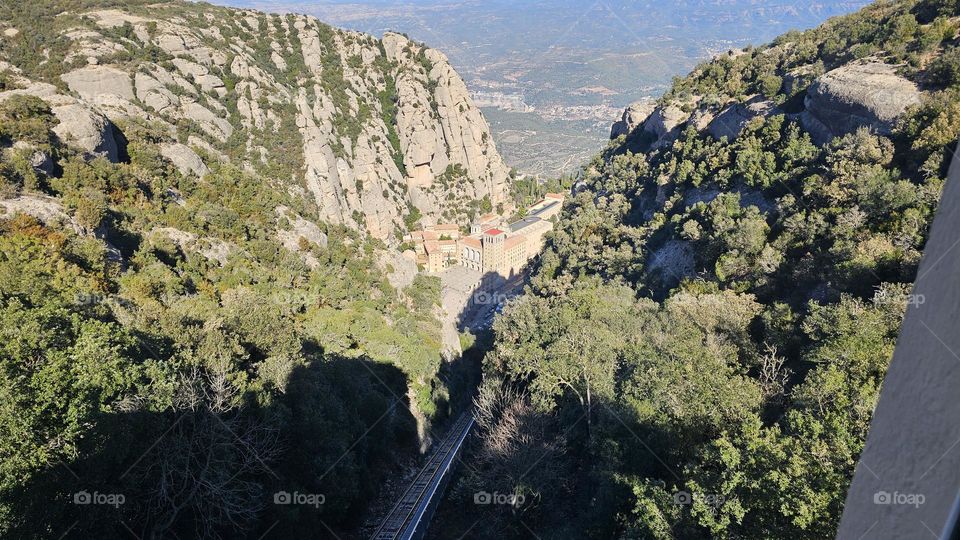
[(492, 245)]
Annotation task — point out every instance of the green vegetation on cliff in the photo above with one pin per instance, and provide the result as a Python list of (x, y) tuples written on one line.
[(162, 341), (699, 353)]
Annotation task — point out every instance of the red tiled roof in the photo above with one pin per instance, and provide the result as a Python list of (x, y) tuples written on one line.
[(493, 232), (432, 246), (472, 242)]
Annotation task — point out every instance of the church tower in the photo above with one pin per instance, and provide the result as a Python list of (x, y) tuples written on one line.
[(493, 250)]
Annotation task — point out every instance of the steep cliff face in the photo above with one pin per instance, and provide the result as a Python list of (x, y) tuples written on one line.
[(634, 115), (367, 130)]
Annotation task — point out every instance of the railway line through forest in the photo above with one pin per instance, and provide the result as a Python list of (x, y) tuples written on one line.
[(410, 516)]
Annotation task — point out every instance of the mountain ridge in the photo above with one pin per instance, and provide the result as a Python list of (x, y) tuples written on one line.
[(329, 103), (199, 209)]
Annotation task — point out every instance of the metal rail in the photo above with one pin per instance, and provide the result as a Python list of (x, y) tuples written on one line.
[(410, 516)]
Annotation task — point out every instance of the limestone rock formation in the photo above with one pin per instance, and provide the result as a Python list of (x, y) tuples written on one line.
[(367, 130), (867, 94), (213, 249), (442, 129), (78, 124), (299, 228), (799, 79), (664, 123), (184, 159), (400, 268), (96, 83), (634, 115), (42, 162), (861, 94), (46, 209), (86, 129), (734, 117)]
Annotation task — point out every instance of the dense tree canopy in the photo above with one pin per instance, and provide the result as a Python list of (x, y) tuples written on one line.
[(705, 337), (158, 341)]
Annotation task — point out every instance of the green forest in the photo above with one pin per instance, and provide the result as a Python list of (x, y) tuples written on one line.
[(260, 372), (199, 380), (697, 354), (730, 396)]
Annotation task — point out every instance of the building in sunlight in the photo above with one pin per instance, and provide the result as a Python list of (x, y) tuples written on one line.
[(492, 245)]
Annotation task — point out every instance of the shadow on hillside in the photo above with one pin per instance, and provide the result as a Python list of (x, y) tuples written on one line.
[(487, 299), (463, 374), (563, 486), (300, 465), (302, 462)]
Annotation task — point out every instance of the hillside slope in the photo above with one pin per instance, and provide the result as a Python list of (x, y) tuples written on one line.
[(204, 329), (701, 348)]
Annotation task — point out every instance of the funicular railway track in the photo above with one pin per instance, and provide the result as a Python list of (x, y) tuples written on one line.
[(410, 516)]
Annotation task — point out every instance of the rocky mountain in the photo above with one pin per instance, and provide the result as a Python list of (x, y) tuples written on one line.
[(368, 131), (634, 115), (865, 93), (198, 209)]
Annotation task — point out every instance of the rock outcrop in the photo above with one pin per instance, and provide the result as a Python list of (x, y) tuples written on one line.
[(734, 117), (42, 162), (868, 94), (664, 123), (367, 129), (213, 249), (658, 125), (78, 123), (862, 94), (798, 79), (440, 130), (86, 129), (45, 209), (96, 84), (184, 159), (634, 115), (399, 268)]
